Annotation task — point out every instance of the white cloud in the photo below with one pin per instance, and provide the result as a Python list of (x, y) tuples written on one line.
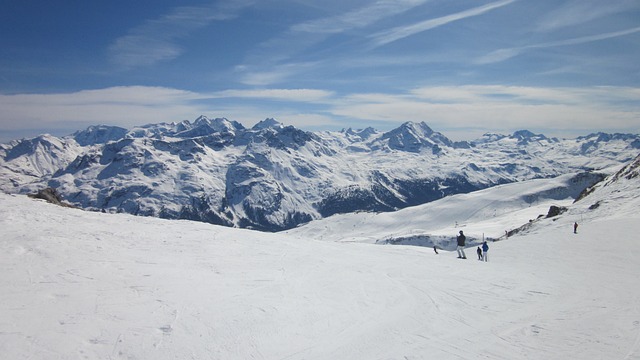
[(270, 62), (449, 109), (357, 18), (577, 12), (499, 55), (505, 54), (522, 94), (303, 95), (502, 108), (157, 40), (124, 106), (258, 76), (128, 106), (401, 32)]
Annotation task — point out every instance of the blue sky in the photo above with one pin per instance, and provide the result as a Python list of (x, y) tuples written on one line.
[(465, 67)]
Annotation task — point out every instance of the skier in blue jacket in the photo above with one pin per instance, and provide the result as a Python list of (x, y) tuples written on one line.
[(485, 248)]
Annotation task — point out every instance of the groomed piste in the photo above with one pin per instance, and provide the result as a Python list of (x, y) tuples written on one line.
[(78, 285)]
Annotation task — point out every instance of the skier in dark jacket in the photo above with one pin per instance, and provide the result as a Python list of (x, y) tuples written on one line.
[(461, 240), (479, 251)]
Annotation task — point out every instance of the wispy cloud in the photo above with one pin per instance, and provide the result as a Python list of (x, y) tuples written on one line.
[(261, 75), (486, 108), (401, 32), (507, 108), (507, 53), (124, 106), (135, 105), (157, 40), (577, 12), (303, 95), (271, 62), (358, 18)]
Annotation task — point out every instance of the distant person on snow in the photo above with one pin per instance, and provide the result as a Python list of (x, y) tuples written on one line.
[(479, 251), (461, 240), (575, 228), (485, 248), (435, 249)]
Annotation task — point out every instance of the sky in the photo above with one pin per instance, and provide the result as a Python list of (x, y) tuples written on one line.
[(465, 67)]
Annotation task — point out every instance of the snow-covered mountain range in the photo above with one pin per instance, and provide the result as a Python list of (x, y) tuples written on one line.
[(275, 177)]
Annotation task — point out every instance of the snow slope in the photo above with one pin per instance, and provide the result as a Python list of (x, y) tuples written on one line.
[(481, 214), (81, 285)]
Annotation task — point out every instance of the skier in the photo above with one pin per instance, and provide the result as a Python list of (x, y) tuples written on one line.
[(435, 249), (479, 251), (461, 240), (485, 248), (575, 228)]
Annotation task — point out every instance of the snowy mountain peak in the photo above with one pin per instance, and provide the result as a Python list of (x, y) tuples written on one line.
[(421, 128), (202, 119), (217, 124), (616, 189), (526, 136), (489, 137), (204, 126), (100, 134), (630, 172), (363, 134), (523, 134), (592, 141), (268, 123), (412, 137), (27, 161), (40, 145), (600, 137)]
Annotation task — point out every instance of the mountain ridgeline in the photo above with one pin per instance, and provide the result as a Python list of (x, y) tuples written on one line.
[(273, 177)]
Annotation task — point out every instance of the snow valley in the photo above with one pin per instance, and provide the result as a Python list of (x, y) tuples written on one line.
[(78, 284)]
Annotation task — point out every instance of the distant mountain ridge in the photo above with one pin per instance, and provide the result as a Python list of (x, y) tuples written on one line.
[(274, 177)]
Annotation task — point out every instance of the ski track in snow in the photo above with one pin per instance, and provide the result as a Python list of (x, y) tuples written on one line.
[(79, 285)]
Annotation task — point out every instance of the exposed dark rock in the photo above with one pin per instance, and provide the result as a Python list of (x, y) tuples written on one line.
[(594, 206), (555, 211), (52, 196)]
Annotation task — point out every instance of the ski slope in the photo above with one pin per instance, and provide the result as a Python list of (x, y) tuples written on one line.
[(81, 285), (482, 214)]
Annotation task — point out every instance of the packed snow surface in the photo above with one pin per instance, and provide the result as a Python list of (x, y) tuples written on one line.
[(78, 285), (484, 214)]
